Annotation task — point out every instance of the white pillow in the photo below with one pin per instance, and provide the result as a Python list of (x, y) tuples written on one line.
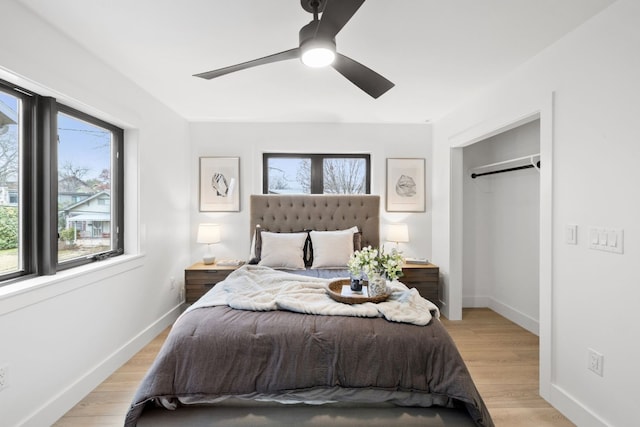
[(332, 249), (283, 250)]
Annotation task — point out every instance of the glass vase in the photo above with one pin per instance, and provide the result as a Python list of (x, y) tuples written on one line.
[(356, 284)]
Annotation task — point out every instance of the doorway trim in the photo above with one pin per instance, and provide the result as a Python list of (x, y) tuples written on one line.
[(486, 129)]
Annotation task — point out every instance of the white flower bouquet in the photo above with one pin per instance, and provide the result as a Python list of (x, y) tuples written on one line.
[(371, 261)]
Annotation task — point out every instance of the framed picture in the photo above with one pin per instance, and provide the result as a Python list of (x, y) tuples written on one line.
[(406, 185), (219, 184)]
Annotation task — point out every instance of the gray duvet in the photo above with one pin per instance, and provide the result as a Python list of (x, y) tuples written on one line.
[(217, 352)]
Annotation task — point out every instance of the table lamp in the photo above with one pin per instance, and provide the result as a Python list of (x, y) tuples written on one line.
[(209, 234), (398, 233)]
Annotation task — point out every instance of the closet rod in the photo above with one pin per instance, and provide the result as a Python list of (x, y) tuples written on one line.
[(475, 175)]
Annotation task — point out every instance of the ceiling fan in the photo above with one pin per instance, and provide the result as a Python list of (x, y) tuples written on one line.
[(317, 47)]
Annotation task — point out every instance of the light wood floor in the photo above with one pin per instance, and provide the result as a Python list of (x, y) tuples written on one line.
[(503, 360), (501, 356)]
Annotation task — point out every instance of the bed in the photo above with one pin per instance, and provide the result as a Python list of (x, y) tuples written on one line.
[(267, 339)]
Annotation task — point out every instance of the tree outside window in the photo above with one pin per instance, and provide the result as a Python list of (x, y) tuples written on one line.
[(316, 173)]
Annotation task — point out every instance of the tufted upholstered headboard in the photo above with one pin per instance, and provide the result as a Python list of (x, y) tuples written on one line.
[(321, 212)]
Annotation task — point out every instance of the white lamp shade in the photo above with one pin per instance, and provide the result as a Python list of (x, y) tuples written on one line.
[(208, 233), (398, 233)]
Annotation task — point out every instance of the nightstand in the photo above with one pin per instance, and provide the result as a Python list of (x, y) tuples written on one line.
[(199, 278), (425, 278)]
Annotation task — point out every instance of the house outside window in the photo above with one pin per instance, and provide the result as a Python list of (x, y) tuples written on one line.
[(43, 227), (84, 186)]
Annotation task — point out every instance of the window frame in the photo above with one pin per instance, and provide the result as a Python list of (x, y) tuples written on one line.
[(317, 168), (38, 176), (117, 187), (26, 167)]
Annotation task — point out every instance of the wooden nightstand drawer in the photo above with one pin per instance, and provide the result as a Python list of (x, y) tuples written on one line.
[(203, 277), (200, 278), (425, 278)]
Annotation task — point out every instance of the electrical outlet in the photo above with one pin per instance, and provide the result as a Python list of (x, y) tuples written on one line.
[(4, 376), (595, 361), (172, 283)]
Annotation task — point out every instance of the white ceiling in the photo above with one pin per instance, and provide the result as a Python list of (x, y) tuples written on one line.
[(437, 52)]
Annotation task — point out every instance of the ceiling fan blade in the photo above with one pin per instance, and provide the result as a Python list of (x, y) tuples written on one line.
[(281, 56), (336, 14), (365, 78)]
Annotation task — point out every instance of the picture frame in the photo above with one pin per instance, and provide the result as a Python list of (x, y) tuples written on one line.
[(219, 184), (406, 185)]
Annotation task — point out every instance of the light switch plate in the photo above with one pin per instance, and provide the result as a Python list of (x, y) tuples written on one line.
[(606, 239), (571, 234)]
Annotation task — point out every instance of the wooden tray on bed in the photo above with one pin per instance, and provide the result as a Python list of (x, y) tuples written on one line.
[(335, 292)]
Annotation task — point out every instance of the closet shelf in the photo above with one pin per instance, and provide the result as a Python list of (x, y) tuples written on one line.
[(508, 166)]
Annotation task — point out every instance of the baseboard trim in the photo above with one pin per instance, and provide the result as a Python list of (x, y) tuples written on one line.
[(516, 316), (529, 323), (60, 404), (475, 301), (574, 410)]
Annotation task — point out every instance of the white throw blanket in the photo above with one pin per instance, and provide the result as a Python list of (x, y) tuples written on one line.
[(259, 288)]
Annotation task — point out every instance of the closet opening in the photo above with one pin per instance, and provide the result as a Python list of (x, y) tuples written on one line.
[(501, 224)]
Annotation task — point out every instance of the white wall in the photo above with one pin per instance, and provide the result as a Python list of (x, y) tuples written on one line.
[(501, 228), (590, 143), (62, 335), (249, 140)]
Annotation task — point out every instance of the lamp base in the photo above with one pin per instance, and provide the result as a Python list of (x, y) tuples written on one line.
[(207, 260)]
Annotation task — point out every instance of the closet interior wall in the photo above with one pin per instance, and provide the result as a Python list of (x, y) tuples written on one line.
[(501, 228)]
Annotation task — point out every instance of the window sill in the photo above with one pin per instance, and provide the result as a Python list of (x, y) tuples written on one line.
[(32, 291)]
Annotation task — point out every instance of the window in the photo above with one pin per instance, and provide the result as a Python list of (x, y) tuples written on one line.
[(61, 186), (85, 158), (11, 226), (316, 173)]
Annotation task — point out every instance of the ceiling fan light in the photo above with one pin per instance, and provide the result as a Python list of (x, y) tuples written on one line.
[(317, 57)]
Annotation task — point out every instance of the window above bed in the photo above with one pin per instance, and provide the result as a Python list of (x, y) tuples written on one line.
[(287, 173)]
